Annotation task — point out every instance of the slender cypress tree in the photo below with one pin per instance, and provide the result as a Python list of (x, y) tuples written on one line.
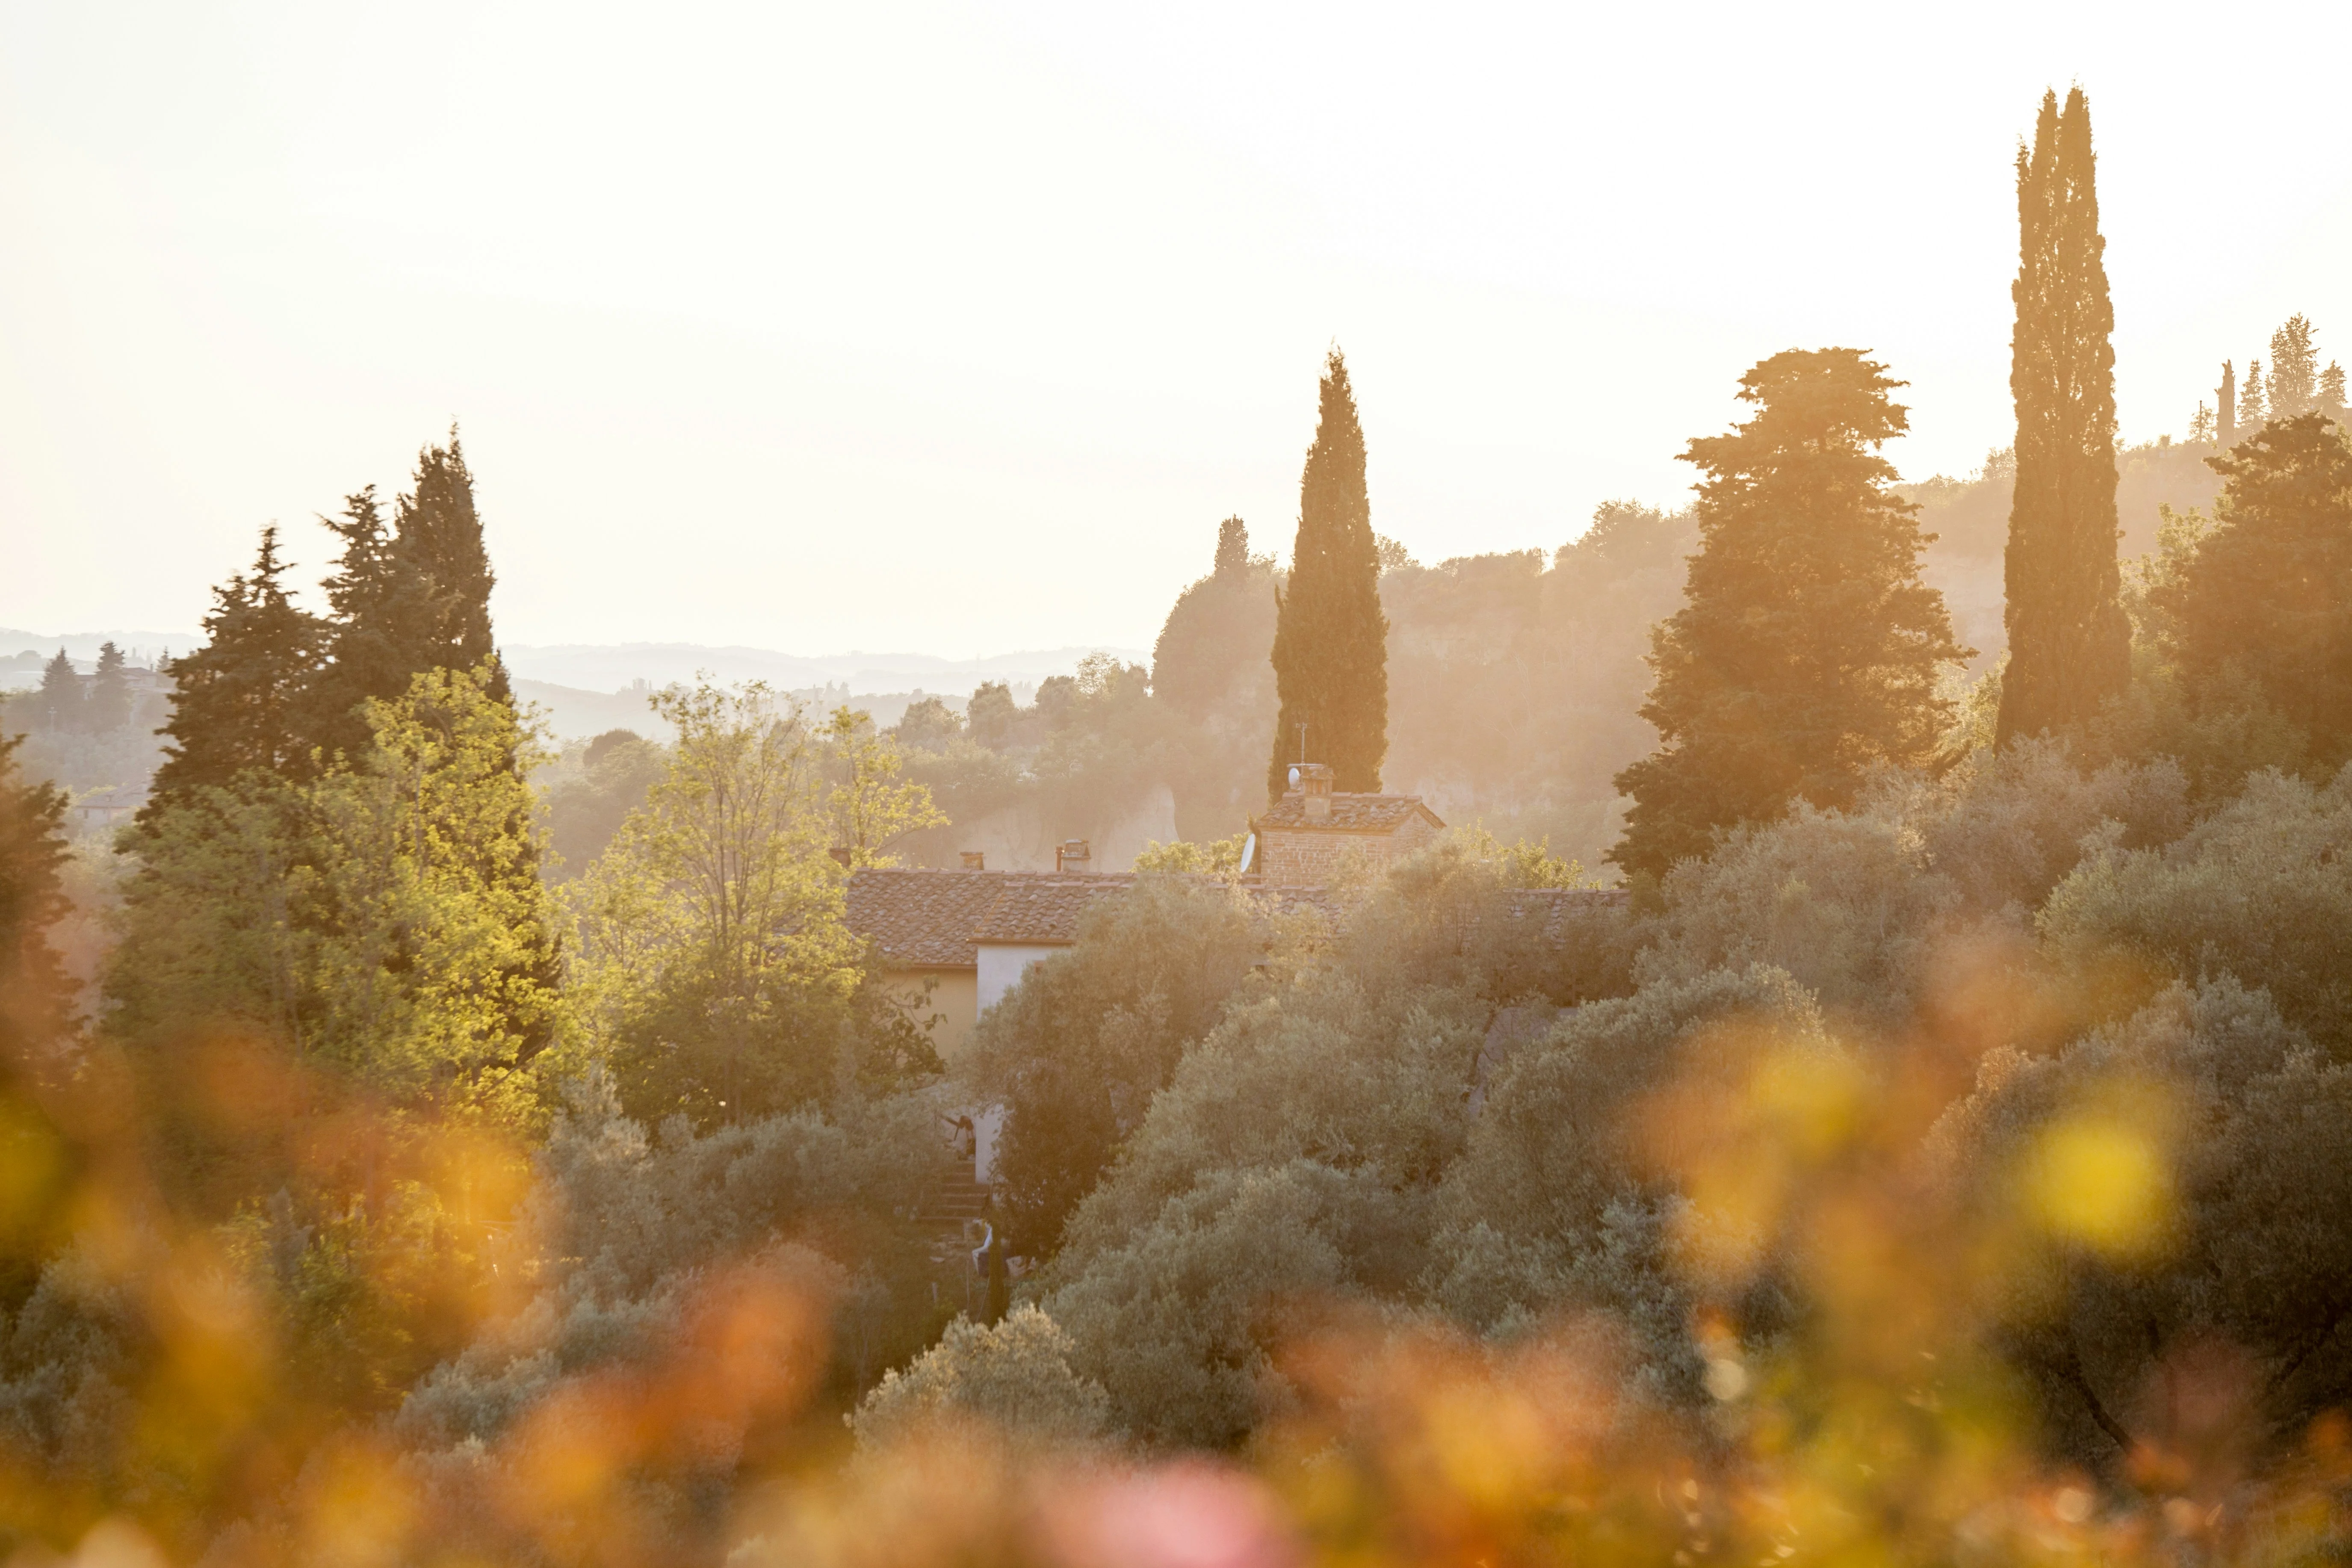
[(2069, 641), (242, 699), (2225, 418), (1330, 638), (1807, 648)]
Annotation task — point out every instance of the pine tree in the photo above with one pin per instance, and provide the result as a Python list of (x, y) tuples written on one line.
[(2265, 602), (439, 538), (2200, 424), (1232, 547), (406, 598), (2294, 369), (375, 597), (35, 994), (2069, 641), (2225, 417), (108, 704), (2331, 392), (1807, 648), (60, 702), (1330, 637), (2254, 404), (241, 701)]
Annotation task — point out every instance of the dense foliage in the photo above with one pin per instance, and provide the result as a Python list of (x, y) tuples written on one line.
[(1938, 1155), (1807, 648)]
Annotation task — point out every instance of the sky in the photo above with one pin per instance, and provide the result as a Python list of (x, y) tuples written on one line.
[(955, 329)]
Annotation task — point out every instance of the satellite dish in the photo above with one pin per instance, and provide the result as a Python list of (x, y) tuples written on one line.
[(1294, 778)]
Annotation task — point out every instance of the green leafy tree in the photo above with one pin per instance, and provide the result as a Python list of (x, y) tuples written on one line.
[(2262, 611), (583, 813), (240, 701), (713, 961), (2069, 640), (1077, 1049), (1807, 649), (991, 713), (434, 960), (2331, 392), (369, 920), (1330, 638)]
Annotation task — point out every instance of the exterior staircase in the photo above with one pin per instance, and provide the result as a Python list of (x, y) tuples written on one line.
[(954, 1198)]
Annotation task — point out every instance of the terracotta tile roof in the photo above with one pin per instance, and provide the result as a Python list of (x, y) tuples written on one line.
[(923, 918), (1350, 812), (937, 920), (1043, 909)]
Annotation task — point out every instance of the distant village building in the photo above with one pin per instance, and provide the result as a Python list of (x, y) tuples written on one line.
[(963, 938), (1314, 836), (106, 807)]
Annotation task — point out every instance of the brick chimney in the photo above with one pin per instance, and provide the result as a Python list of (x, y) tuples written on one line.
[(975, 860), (1315, 785), (1073, 855)]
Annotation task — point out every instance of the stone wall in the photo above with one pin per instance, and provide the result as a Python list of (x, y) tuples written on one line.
[(1311, 857)]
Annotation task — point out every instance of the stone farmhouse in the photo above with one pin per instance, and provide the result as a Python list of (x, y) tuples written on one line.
[(1315, 836), (966, 935), (963, 938)]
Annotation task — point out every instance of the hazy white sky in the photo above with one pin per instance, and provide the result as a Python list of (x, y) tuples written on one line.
[(957, 328)]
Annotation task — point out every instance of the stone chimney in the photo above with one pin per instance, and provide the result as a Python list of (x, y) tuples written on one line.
[(975, 860), (1315, 785), (1073, 855)]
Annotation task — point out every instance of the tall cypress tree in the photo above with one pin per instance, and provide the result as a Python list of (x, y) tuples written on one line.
[(242, 699), (1807, 648), (2069, 641), (2225, 418), (1330, 638)]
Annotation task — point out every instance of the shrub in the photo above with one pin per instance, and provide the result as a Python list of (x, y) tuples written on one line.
[(2262, 889), (1014, 1375)]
